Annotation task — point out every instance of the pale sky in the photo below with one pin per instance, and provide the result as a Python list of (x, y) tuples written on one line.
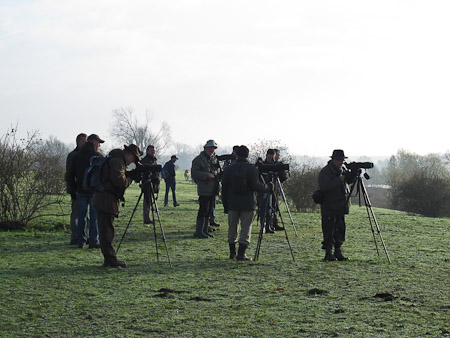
[(370, 77)]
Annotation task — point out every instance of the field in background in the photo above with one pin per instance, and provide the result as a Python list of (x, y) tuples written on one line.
[(50, 289)]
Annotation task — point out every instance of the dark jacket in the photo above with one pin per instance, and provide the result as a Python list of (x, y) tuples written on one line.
[(330, 183), (202, 166), (80, 162), (114, 180), (71, 187), (170, 173), (239, 194), (155, 177)]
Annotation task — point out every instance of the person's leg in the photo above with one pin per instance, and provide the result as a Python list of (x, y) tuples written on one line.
[(73, 220), (166, 196), (174, 195), (82, 207), (339, 237), (328, 224), (106, 232), (233, 220), (93, 226)]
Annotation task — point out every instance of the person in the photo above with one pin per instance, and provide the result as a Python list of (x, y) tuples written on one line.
[(333, 185), (155, 179), (239, 183), (205, 173), (282, 176), (72, 190), (80, 163), (115, 181), (170, 180)]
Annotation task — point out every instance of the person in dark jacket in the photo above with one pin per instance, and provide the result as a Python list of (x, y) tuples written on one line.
[(72, 190), (170, 180), (80, 163), (239, 183), (155, 180), (205, 173), (115, 179), (333, 184)]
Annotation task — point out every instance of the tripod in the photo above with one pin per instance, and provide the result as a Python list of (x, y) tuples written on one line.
[(149, 195), (360, 187), (270, 207)]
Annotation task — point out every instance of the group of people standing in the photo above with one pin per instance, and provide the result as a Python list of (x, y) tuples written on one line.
[(243, 191)]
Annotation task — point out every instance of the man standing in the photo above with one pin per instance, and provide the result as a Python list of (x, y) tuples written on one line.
[(155, 179), (333, 184), (205, 170), (240, 181), (170, 180), (84, 197), (115, 180), (72, 190)]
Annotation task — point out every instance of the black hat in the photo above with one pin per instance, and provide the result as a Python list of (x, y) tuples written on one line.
[(134, 149), (338, 154), (174, 156), (270, 152), (95, 137), (242, 152)]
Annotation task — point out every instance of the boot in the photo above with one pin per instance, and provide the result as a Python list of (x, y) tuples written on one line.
[(232, 251), (199, 228), (206, 227), (329, 257), (338, 254), (276, 227), (241, 256)]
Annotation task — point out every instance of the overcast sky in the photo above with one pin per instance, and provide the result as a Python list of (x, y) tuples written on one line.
[(371, 77)]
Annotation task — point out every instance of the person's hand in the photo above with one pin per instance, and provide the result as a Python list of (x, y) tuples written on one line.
[(211, 176)]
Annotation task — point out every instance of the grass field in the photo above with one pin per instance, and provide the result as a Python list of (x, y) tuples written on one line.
[(51, 289)]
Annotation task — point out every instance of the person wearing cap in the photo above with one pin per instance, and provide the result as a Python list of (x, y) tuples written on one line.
[(80, 163), (205, 173), (170, 180), (71, 189), (333, 184), (155, 179), (115, 180), (239, 183)]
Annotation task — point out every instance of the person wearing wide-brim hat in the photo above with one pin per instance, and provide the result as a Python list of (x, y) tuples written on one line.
[(115, 180), (205, 174), (333, 185)]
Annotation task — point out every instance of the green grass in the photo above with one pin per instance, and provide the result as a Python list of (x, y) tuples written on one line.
[(50, 289)]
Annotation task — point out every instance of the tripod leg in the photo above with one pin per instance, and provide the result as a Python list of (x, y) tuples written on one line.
[(163, 235), (129, 222), (283, 196), (372, 213), (262, 218), (285, 232)]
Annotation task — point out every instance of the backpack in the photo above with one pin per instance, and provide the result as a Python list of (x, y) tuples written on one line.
[(318, 196), (239, 183), (91, 179), (164, 171)]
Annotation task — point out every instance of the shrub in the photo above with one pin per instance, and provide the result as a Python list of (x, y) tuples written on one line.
[(300, 186), (31, 178)]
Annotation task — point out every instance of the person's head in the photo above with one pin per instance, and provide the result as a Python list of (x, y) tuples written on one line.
[(338, 157), (270, 155), (81, 140), (235, 148), (242, 152), (151, 150), (95, 140), (173, 158), (210, 147), (277, 154), (131, 153)]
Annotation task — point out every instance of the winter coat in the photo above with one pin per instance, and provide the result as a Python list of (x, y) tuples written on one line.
[(81, 161), (202, 166), (170, 173), (239, 183), (114, 182), (71, 187), (330, 183)]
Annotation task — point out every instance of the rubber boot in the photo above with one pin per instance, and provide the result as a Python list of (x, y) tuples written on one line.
[(276, 227), (269, 229), (232, 250), (241, 256), (338, 254), (329, 257), (206, 227), (199, 228)]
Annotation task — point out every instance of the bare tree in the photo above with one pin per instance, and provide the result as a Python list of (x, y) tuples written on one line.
[(126, 128), (31, 178), (260, 148)]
